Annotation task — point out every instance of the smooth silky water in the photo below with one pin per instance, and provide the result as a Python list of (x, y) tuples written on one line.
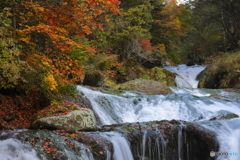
[(187, 103)]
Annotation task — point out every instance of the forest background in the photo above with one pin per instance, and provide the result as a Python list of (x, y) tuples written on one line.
[(48, 46)]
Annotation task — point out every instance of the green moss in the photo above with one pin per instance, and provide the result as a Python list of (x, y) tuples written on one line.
[(230, 116), (111, 83), (223, 73), (161, 75), (79, 118)]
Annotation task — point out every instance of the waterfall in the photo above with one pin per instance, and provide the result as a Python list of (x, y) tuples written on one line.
[(186, 75), (187, 103), (156, 152), (121, 146), (228, 137), (13, 149)]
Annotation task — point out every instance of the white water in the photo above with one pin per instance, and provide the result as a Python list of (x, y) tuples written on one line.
[(121, 146), (13, 149), (185, 75), (135, 107), (188, 104), (156, 152)]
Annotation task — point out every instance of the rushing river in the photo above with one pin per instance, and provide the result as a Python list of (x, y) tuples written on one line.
[(187, 103)]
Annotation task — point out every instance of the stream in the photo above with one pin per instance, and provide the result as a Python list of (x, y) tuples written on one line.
[(187, 103)]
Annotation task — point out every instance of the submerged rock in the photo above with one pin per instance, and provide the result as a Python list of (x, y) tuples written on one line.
[(81, 119), (146, 86), (227, 116)]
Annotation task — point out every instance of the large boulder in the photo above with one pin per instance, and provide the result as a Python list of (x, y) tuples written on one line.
[(223, 73), (146, 86), (170, 140), (81, 119)]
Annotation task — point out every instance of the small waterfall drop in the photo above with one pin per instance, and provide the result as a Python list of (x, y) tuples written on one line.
[(186, 75), (121, 146), (153, 152), (180, 142), (13, 149)]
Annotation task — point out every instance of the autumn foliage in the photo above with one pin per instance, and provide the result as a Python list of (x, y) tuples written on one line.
[(55, 34)]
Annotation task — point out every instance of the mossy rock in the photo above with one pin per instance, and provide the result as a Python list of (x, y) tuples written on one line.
[(223, 73), (227, 116), (78, 120), (65, 116), (55, 109), (161, 75), (146, 86)]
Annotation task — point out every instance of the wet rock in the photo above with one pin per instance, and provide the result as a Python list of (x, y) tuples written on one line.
[(100, 147), (81, 119), (1, 122), (146, 86), (227, 116), (52, 145), (170, 140)]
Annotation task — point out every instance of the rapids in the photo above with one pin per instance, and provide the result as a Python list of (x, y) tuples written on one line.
[(187, 103)]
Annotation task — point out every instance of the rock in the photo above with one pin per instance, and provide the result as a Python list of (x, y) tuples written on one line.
[(1, 122), (94, 79), (146, 86), (190, 63), (81, 119), (227, 116), (100, 146), (223, 73), (161, 75), (53, 145), (166, 63), (162, 139), (169, 140)]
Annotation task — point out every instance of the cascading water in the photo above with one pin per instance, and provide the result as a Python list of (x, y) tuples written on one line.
[(185, 75), (121, 147), (188, 104), (13, 149), (136, 107), (158, 151)]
